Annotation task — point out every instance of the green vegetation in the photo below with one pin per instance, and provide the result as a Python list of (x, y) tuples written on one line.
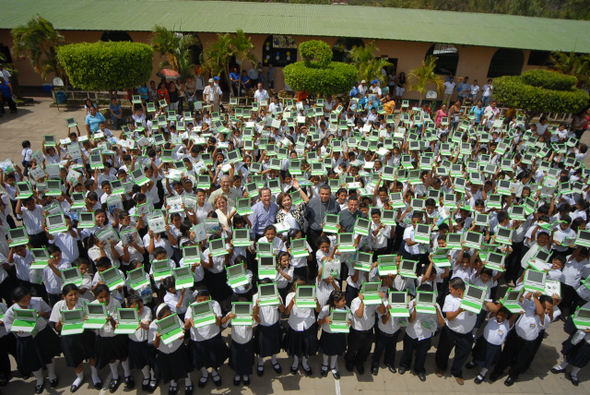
[(425, 75), (175, 49), (540, 91), (317, 73), (107, 65), (368, 66)]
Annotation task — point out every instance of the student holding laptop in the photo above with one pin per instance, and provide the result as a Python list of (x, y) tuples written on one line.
[(241, 348), (331, 345), (141, 357), (79, 347), (269, 333), (172, 359), (34, 352)]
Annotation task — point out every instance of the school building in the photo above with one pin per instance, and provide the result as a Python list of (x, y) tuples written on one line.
[(480, 46)]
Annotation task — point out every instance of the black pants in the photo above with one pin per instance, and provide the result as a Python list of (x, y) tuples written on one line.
[(569, 299), (513, 262), (420, 347), (518, 353), (359, 346), (462, 344), (387, 343), (7, 346), (312, 238), (10, 102)]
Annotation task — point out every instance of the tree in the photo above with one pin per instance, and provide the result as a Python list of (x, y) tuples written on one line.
[(38, 40), (317, 73), (367, 65), (423, 76), (218, 54), (572, 64), (540, 91), (107, 65), (242, 49), (175, 49)]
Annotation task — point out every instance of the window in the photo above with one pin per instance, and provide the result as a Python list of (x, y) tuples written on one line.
[(279, 50), (506, 62), (448, 58), (197, 51), (539, 58), (343, 46), (5, 53), (115, 36)]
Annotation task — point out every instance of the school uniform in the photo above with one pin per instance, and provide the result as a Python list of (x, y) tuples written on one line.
[(300, 264), (108, 345), (172, 360), (269, 332), (284, 285), (386, 339), (216, 278), (331, 343), (171, 299), (7, 346), (521, 344), (457, 334), (34, 352), (301, 339), (578, 354), (206, 347), (76, 348), (360, 337), (241, 357), (140, 354), (418, 340), (489, 346), (199, 272)]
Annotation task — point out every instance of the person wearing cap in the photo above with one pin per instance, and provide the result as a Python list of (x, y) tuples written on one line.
[(354, 91), (363, 88), (375, 89), (212, 94)]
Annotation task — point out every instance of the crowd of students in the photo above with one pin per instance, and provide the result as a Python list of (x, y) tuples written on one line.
[(385, 206)]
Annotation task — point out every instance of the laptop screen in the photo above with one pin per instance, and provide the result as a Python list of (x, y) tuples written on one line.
[(396, 297), (453, 238), (71, 273), (78, 197), (512, 296), (241, 234), (585, 236), (137, 173), (364, 258), (87, 217), (340, 316), (39, 253), (167, 323), (344, 239), (116, 184), (201, 308), (267, 261), (54, 220), (136, 275), (265, 248), (583, 313), (96, 309), (363, 223), (160, 266), (53, 184), (475, 292), (503, 232), (110, 275), (23, 187), (184, 271), (298, 244), (425, 298), (25, 314), (408, 266), (266, 290), (242, 309), (127, 315), (235, 270), (472, 237), (516, 210), (331, 219), (495, 258), (305, 292), (422, 228), (71, 315), (543, 255), (372, 288), (243, 203), (534, 276), (387, 260), (217, 244), (481, 218), (95, 158)]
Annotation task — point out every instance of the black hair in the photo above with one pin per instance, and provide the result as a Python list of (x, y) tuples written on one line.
[(19, 292), (321, 240), (68, 288), (457, 283), (334, 297), (100, 288), (51, 248), (168, 283), (103, 262)]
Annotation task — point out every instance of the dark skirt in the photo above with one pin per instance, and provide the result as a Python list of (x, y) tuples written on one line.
[(210, 353), (268, 340), (217, 285), (301, 344), (174, 366), (33, 353), (140, 355), (241, 358), (110, 348), (576, 355), (485, 354), (78, 348), (332, 343)]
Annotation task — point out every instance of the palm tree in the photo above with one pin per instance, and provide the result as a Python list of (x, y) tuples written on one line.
[(217, 55), (38, 40), (175, 49), (368, 66), (572, 64), (425, 75), (242, 47)]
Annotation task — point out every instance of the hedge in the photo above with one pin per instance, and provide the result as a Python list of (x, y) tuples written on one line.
[(549, 80), (107, 65), (317, 51), (335, 78)]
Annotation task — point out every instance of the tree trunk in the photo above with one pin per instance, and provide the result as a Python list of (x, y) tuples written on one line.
[(15, 86)]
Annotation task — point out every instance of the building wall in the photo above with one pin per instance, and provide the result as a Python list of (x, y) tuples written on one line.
[(473, 61)]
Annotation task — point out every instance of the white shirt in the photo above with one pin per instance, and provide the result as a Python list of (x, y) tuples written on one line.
[(33, 220), (60, 306), (38, 305), (495, 333), (300, 319), (529, 324), (172, 301), (391, 326), (423, 326), (261, 95), (107, 329), (141, 334), (464, 322), (409, 234), (269, 315), (449, 87), (367, 321), (205, 332), (166, 349)]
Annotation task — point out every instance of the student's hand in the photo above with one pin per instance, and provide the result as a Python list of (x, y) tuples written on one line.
[(231, 316), (361, 296), (328, 320)]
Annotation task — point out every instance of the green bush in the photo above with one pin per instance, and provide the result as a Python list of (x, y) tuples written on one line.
[(107, 65), (549, 80), (513, 91), (315, 53), (335, 78)]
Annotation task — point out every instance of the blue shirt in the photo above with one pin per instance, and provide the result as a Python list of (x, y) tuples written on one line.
[(261, 217), (245, 79), (93, 121), (478, 112), (463, 86), (353, 92), (116, 109), (234, 76), (143, 91)]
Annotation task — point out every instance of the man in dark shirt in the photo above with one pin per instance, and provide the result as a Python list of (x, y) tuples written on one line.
[(315, 211), (348, 217)]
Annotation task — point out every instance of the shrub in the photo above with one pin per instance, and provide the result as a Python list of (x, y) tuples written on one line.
[(107, 65), (317, 51), (549, 80)]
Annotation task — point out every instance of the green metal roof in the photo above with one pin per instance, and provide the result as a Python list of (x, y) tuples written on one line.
[(490, 30)]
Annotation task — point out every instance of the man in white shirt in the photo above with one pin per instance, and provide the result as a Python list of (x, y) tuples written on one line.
[(212, 94), (363, 88), (486, 96), (375, 89), (261, 94), (449, 89)]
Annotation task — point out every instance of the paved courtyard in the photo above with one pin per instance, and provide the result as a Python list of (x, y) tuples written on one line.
[(32, 122)]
